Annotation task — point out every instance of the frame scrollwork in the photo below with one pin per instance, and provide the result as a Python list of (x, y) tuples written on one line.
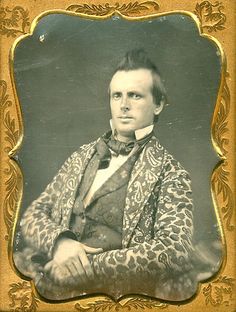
[(14, 22), (131, 8), (11, 137), (22, 297), (133, 304), (211, 16), (220, 291)]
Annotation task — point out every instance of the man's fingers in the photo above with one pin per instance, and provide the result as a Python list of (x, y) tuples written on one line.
[(75, 268), (62, 274), (77, 271), (55, 272), (86, 264), (72, 269), (92, 250)]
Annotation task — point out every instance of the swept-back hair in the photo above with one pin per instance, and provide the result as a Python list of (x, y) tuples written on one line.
[(137, 59)]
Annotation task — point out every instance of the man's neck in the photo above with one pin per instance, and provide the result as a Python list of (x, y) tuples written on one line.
[(125, 139), (136, 135)]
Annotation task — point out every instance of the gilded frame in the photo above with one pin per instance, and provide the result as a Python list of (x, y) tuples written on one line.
[(215, 20)]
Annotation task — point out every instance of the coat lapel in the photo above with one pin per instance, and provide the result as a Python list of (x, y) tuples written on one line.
[(144, 176), (75, 173)]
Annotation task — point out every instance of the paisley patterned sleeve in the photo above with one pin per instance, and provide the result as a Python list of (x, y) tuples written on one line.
[(163, 260), (39, 227)]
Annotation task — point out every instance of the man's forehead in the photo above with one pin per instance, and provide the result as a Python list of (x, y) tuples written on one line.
[(141, 77)]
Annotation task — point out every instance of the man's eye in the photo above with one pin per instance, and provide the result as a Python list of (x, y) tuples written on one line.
[(135, 96), (116, 96)]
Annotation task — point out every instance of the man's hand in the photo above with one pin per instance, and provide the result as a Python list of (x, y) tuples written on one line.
[(70, 263)]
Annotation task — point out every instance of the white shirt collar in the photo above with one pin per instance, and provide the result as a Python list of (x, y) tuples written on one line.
[(139, 133)]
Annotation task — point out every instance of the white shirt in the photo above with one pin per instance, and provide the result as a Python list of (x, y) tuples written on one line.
[(116, 162)]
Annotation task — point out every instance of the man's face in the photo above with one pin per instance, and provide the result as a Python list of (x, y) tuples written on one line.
[(131, 101)]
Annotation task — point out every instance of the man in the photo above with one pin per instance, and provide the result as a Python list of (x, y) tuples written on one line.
[(117, 218)]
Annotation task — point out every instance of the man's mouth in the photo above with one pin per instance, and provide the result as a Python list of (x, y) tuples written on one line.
[(125, 117)]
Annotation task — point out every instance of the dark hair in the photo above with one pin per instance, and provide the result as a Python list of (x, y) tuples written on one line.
[(138, 58)]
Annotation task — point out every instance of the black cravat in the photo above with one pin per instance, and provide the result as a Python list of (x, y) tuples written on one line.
[(120, 148), (108, 142)]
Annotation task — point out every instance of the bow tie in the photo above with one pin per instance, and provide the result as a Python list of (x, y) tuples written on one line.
[(108, 142), (105, 146), (120, 148)]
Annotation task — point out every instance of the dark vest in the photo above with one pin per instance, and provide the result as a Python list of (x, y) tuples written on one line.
[(100, 223)]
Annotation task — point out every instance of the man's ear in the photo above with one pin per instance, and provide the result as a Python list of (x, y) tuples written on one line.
[(159, 108)]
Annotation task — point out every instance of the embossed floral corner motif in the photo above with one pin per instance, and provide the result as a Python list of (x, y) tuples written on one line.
[(22, 297), (129, 9), (13, 21), (210, 15), (133, 304), (220, 291)]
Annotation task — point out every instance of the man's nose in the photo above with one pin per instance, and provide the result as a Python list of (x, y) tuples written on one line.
[(124, 105)]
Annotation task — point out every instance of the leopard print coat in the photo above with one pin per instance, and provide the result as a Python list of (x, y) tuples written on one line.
[(155, 258)]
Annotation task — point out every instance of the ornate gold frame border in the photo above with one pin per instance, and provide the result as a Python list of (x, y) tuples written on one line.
[(212, 19)]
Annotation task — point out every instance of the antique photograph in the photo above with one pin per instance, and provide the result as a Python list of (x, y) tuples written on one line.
[(117, 157)]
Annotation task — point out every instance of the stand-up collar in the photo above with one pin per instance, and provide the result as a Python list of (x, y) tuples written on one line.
[(139, 134)]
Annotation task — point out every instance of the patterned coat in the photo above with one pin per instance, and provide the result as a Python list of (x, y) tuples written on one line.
[(155, 258)]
